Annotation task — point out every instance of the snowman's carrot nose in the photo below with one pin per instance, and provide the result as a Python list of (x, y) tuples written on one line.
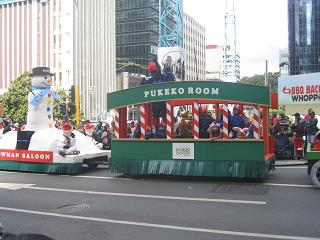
[(49, 81)]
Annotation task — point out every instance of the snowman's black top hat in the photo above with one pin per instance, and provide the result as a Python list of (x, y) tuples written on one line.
[(41, 71)]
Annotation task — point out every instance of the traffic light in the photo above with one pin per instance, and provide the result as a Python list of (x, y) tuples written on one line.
[(63, 109), (73, 94), (72, 109)]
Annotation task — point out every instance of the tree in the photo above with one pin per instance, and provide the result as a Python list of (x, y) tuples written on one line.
[(15, 100), (259, 80)]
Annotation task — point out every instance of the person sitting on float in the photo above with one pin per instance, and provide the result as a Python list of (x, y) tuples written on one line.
[(184, 129), (215, 131), (236, 120), (205, 119), (135, 130), (161, 130), (250, 132), (148, 132), (67, 144), (240, 133), (89, 131)]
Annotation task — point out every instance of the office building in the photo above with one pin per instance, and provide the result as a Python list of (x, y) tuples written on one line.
[(75, 38), (214, 62), (137, 34), (304, 36), (194, 44)]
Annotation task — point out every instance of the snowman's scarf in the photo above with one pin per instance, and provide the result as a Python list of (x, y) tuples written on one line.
[(44, 91)]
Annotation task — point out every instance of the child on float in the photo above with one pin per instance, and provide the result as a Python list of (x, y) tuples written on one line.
[(67, 144), (89, 130), (215, 131)]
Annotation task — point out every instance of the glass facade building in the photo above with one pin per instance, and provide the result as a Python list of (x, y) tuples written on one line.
[(304, 36), (137, 34)]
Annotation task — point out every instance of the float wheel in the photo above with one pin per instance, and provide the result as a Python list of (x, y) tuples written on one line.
[(92, 165), (315, 174)]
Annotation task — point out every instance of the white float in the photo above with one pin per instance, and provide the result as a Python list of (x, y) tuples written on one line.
[(39, 153)]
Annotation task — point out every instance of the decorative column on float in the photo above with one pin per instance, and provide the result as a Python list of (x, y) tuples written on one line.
[(225, 128), (169, 120), (195, 113)]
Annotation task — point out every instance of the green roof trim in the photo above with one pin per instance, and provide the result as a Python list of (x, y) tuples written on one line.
[(204, 90)]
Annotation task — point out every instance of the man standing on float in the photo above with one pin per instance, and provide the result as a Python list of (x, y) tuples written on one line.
[(158, 108)]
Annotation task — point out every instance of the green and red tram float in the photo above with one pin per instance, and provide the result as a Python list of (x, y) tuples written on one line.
[(225, 157)]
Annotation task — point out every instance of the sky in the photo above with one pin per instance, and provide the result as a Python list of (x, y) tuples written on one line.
[(262, 30)]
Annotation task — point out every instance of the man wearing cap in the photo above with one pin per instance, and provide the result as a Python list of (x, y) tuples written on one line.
[(67, 145)]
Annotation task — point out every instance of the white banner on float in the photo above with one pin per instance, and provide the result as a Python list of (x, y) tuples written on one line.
[(299, 89), (183, 151)]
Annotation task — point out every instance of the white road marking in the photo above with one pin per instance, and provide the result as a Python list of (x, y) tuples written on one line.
[(73, 176), (15, 186), (150, 196), (99, 177), (160, 226), (289, 185), (290, 167)]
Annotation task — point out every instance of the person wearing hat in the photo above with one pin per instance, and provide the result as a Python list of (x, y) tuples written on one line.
[(184, 129), (205, 120), (67, 144), (236, 120), (89, 132), (156, 76)]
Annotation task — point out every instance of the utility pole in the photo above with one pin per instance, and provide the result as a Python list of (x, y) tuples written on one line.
[(266, 83)]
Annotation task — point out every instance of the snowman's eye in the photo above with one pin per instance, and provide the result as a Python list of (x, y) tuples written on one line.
[(45, 77)]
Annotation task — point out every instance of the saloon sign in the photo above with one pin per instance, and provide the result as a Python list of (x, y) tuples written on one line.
[(26, 156), (299, 89)]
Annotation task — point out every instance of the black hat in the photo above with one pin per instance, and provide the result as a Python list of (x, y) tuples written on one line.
[(40, 71)]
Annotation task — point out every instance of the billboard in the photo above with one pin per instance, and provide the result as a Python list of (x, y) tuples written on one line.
[(172, 58), (299, 89)]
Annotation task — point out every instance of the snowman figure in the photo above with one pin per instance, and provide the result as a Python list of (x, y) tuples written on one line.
[(40, 100)]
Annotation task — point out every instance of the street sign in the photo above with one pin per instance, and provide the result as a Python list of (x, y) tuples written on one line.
[(92, 89)]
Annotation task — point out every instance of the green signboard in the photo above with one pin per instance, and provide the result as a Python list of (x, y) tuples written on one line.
[(233, 92)]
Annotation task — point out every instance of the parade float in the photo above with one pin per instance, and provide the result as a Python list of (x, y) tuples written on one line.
[(226, 157), (35, 149), (313, 160)]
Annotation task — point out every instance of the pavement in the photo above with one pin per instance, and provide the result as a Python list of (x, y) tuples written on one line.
[(290, 162)]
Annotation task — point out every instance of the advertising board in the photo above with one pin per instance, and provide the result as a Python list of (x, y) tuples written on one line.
[(299, 89)]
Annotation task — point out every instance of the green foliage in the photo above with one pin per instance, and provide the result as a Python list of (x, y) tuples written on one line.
[(15, 100), (259, 80)]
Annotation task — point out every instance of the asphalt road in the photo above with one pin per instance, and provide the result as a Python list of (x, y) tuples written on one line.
[(100, 205)]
